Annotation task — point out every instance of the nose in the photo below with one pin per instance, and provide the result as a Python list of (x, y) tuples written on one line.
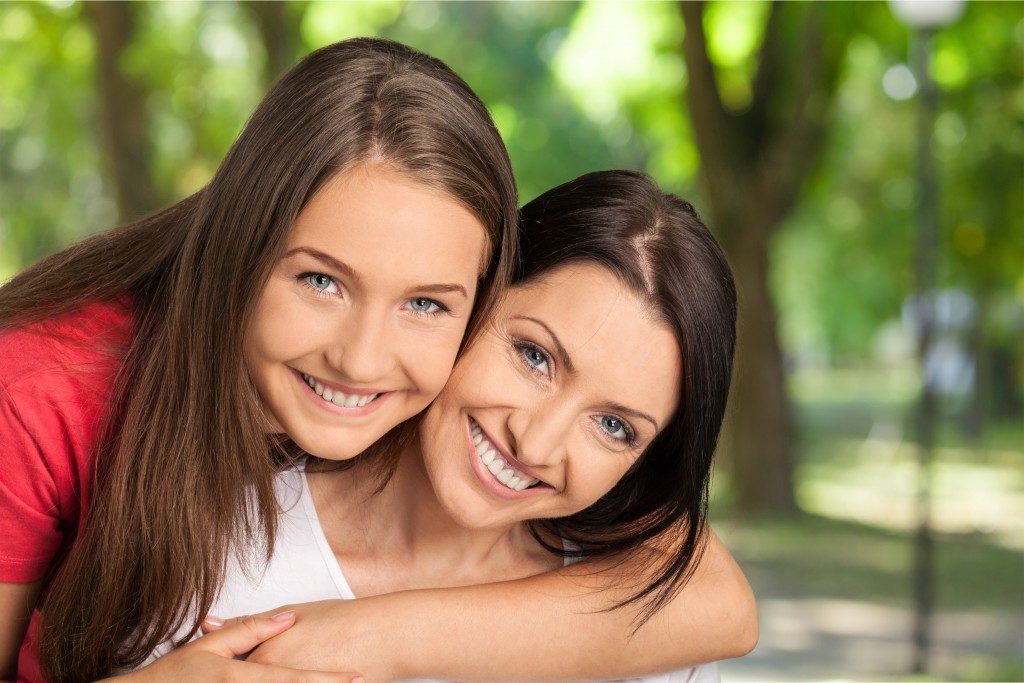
[(361, 352), (540, 432)]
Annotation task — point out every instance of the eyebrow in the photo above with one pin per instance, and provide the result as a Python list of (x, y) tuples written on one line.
[(619, 408), (347, 271), (567, 361), (327, 260), (563, 355)]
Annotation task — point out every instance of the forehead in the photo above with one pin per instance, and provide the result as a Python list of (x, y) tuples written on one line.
[(621, 352), (389, 227)]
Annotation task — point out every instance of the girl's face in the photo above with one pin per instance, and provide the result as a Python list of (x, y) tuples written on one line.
[(550, 408), (359, 324)]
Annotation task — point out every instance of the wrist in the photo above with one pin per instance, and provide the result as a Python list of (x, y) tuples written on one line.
[(409, 625), (393, 621)]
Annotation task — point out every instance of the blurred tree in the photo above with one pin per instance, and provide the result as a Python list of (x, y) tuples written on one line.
[(124, 119), (51, 189), (279, 26), (851, 234), (755, 161)]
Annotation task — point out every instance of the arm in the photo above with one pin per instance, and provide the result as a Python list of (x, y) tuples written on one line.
[(548, 626), (30, 504), (16, 603), (555, 618)]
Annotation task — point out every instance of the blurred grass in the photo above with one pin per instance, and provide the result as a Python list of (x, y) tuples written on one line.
[(856, 481), (814, 556)]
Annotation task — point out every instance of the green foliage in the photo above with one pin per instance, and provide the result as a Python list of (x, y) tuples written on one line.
[(853, 235), (50, 178), (573, 87)]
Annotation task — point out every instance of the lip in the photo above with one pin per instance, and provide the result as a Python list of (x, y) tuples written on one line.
[(369, 408), (489, 482)]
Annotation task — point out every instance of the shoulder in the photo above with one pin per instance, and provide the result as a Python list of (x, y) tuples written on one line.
[(56, 377), (71, 351), (55, 385)]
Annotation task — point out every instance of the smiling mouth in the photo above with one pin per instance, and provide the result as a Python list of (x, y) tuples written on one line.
[(337, 397), (490, 456)]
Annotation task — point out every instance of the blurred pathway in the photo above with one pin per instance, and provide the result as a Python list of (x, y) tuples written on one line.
[(804, 640)]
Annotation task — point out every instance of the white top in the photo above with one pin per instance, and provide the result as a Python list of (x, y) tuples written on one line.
[(303, 568)]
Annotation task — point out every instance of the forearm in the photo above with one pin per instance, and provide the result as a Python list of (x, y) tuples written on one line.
[(16, 603), (552, 626)]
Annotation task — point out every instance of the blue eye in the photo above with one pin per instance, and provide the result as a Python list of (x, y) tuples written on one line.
[(425, 306), (320, 283), (534, 357), (616, 428)]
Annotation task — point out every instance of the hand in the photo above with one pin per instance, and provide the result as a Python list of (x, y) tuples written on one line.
[(333, 635), (211, 658)]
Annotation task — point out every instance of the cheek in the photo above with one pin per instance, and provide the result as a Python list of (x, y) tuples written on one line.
[(427, 359), (486, 378), (594, 475), (282, 329)]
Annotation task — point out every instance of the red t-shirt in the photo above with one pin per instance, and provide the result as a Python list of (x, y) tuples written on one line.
[(55, 387)]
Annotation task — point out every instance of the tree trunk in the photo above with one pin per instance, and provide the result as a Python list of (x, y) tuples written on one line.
[(753, 166), (124, 121), (278, 24), (759, 430)]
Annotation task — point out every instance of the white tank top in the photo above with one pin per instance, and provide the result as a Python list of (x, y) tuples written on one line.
[(303, 568)]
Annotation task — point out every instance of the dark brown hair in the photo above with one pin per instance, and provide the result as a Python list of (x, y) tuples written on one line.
[(658, 246), (184, 471)]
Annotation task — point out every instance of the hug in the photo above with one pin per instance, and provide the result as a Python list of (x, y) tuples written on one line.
[(350, 392)]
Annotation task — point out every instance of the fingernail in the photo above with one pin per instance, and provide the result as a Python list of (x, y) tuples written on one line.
[(215, 621), (283, 616), (358, 679)]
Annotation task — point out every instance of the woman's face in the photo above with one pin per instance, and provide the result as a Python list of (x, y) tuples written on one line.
[(572, 380), (359, 324)]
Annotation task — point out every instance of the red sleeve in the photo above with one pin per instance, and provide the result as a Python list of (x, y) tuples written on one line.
[(55, 383), (30, 522)]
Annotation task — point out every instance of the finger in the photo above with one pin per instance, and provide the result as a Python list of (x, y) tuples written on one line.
[(246, 633), (212, 623), (266, 673)]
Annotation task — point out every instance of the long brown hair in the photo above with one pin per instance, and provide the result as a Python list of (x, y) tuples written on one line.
[(184, 472)]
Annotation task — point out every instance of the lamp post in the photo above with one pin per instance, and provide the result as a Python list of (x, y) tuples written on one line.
[(925, 17)]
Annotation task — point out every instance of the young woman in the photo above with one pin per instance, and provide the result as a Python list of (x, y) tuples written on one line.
[(154, 375), (581, 424)]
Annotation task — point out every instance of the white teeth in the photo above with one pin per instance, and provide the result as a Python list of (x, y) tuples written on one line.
[(338, 398), (497, 466)]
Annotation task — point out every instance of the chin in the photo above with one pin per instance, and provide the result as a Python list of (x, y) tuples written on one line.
[(327, 446), (472, 511)]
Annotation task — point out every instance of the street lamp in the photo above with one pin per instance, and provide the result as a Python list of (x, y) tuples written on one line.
[(925, 17)]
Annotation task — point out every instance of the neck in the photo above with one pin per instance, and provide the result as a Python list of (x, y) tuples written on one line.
[(406, 523)]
